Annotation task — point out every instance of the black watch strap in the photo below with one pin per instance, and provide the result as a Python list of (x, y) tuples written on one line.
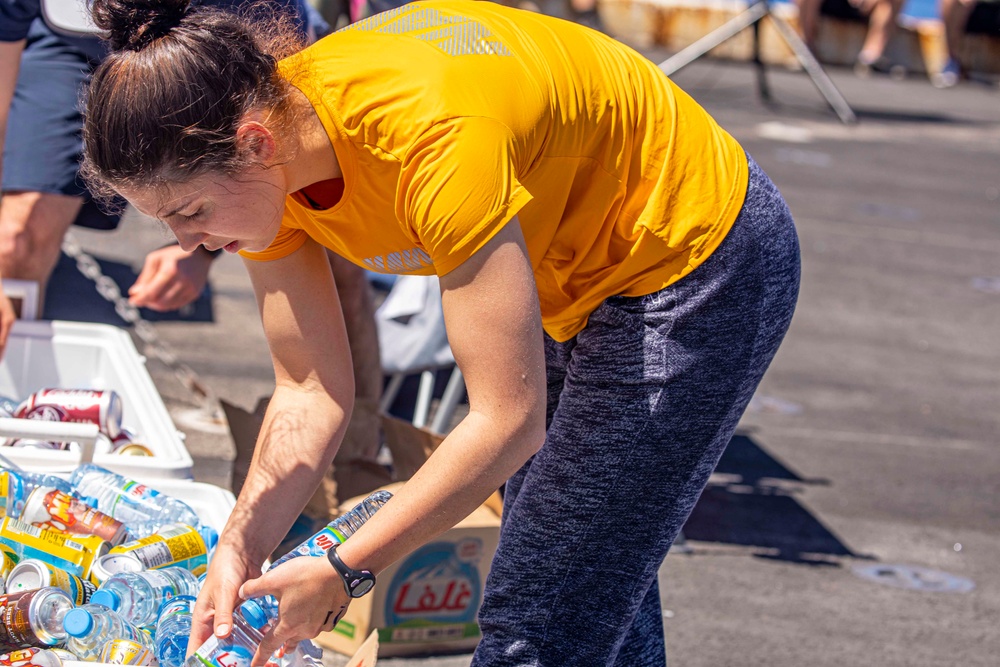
[(356, 582)]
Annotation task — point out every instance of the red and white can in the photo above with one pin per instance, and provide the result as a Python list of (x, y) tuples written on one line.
[(54, 510), (81, 406)]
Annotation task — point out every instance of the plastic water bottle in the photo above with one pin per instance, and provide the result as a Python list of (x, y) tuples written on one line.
[(173, 630), (137, 596), (16, 485), (263, 610), (32, 480), (339, 529), (260, 611), (139, 507), (90, 626)]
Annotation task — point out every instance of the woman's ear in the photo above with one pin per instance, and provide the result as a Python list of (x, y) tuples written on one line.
[(255, 143)]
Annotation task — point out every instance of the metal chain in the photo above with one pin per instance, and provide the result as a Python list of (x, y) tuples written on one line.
[(154, 345)]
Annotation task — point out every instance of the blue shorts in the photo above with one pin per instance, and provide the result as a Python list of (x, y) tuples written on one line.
[(43, 145)]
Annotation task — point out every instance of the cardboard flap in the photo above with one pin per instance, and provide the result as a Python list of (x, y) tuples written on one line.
[(410, 446), (367, 654)]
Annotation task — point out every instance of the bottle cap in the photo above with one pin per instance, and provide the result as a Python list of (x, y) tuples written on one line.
[(106, 598), (78, 622), (254, 614)]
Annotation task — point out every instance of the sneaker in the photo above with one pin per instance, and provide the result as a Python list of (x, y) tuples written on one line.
[(949, 75), (865, 67)]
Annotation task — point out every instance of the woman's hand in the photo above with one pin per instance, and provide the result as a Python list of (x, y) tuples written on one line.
[(311, 599), (213, 613)]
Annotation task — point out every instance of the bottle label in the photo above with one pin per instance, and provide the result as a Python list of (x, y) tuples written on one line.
[(125, 652), (223, 653), (179, 546), (317, 545), (45, 545)]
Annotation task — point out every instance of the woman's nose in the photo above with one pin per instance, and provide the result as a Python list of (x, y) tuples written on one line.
[(189, 242)]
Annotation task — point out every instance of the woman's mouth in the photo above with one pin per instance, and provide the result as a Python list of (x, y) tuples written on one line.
[(232, 247)]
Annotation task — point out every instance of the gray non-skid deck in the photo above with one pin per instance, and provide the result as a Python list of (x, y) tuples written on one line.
[(873, 441)]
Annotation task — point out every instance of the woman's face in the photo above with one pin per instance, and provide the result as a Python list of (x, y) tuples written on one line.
[(218, 211)]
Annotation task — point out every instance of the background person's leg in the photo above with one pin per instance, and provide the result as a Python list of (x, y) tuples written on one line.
[(32, 227), (882, 21), (42, 194)]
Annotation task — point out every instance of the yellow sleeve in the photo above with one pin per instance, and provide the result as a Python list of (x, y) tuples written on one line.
[(284, 244), (458, 187)]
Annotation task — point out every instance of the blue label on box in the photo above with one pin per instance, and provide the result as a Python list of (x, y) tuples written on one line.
[(439, 582)]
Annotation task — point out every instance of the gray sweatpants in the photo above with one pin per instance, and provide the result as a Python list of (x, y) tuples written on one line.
[(641, 404)]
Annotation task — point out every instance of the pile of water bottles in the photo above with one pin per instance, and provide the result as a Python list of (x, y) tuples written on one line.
[(101, 568)]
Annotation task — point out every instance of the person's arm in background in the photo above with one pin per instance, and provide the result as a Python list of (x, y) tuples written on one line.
[(171, 278), (10, 62)]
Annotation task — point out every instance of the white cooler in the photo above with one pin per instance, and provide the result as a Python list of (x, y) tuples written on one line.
[(71, 355)]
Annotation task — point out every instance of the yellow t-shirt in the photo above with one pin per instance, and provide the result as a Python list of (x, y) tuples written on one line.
[(449, 117)]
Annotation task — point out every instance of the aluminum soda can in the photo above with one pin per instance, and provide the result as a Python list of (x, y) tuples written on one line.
[(63, 654), (55, 510), (8, 559), (134, 449), (125, 437), (32, 618), (87, 406), (75, 555), (176, 545), (126, 652), (32, 573), (31, 657), (37, 444)]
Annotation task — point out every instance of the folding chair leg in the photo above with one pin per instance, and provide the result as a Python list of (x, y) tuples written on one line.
[(449, 401), (424, 395)]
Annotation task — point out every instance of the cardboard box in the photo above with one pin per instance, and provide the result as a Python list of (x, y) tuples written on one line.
[(428, 601), (367, 654)]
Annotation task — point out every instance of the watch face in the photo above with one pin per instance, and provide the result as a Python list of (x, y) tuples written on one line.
[(361, 587)]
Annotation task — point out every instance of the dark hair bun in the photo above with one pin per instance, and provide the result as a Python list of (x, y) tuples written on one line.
[(132, 24)]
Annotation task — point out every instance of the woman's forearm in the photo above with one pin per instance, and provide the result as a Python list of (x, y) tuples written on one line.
[(298, 439), (473, 461)]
